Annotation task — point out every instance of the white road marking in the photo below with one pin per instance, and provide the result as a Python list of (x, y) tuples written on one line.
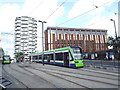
[(2, 86)]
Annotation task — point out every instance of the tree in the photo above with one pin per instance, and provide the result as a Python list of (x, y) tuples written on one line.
[(19, 56), (115, 42)]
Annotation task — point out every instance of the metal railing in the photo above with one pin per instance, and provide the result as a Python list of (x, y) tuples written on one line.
[(103, 63)]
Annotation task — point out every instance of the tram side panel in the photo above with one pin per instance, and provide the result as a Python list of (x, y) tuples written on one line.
[(70, 57)]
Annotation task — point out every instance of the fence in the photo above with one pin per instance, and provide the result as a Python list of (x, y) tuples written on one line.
[(103, 63)]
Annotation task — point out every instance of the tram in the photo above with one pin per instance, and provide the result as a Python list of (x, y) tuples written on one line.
[(6, 59), (68, 56)]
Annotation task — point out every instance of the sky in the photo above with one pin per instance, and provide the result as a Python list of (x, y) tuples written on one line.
[(95, 14)]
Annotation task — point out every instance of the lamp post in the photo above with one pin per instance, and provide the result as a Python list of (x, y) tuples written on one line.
[(42, 40), (115, 34), (114, 27)]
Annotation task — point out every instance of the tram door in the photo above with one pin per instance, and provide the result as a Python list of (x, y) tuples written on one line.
[(66, 59)]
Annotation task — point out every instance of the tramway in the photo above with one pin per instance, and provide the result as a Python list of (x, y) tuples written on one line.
[(67, 56), (6, 59), (77, 78)]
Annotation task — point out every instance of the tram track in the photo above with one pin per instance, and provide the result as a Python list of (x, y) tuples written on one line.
[(5, 82), (15, 79), (78, 72), (67, 75), (53, 74), (62, 76), (88, 75), (54, 86)]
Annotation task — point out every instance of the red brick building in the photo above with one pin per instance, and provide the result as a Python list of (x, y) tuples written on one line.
[(90, 40)]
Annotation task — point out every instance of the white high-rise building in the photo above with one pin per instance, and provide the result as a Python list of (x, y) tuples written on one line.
[(25, 35)]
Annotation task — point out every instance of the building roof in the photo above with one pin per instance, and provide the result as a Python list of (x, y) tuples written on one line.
[(72, 29)]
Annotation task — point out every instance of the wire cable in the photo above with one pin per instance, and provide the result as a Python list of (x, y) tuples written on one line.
[(55, 10), (98, 21), (82, 14), (36, 7)]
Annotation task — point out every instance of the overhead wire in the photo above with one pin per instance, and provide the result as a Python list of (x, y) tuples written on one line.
[(104, 18), (56, 9), (75, 17), (83, 13), (36, 7), (100, 20)]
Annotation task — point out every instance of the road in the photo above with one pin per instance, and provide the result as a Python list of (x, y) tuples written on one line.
[(24, 75)]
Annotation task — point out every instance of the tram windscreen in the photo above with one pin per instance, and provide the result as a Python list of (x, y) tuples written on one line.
[(77, 52), (6, 58)]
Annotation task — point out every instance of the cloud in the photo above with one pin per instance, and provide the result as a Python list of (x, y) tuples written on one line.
[(83, 6), (80, 7), (41, 9), (7, 17), (100, 22), (11, 1), (38, 9), (8, 12), (96, 18)]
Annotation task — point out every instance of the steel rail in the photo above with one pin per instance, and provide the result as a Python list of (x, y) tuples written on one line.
[(54, 86), (87, 74), (15, 78), (61, 78)]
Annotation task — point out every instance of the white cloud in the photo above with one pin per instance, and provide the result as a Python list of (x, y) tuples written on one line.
[(8, 12), (7, 17), (103, 2), (100, 22), (38, 9), (11, 1), (83, 6), (41, 9), (80, 7)]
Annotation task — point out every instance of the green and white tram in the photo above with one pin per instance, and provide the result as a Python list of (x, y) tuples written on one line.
[(67, 56), (6, 59)]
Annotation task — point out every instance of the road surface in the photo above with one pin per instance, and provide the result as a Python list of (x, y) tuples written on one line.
[(48, 76)]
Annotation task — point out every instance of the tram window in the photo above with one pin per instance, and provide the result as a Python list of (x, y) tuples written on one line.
[(48, 57), (35, 58), (77, 50), (40, 57), (29, 57), (6, 58), (66, 55), (51, 57), (45, 56), (59, 56), (70, 57)]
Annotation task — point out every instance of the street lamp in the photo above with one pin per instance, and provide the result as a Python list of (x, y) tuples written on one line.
[(42, 40), (115, 34), (114, 27)]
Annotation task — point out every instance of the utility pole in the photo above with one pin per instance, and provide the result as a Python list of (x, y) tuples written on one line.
[(114, 27), (42, 40), (115, 34)]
